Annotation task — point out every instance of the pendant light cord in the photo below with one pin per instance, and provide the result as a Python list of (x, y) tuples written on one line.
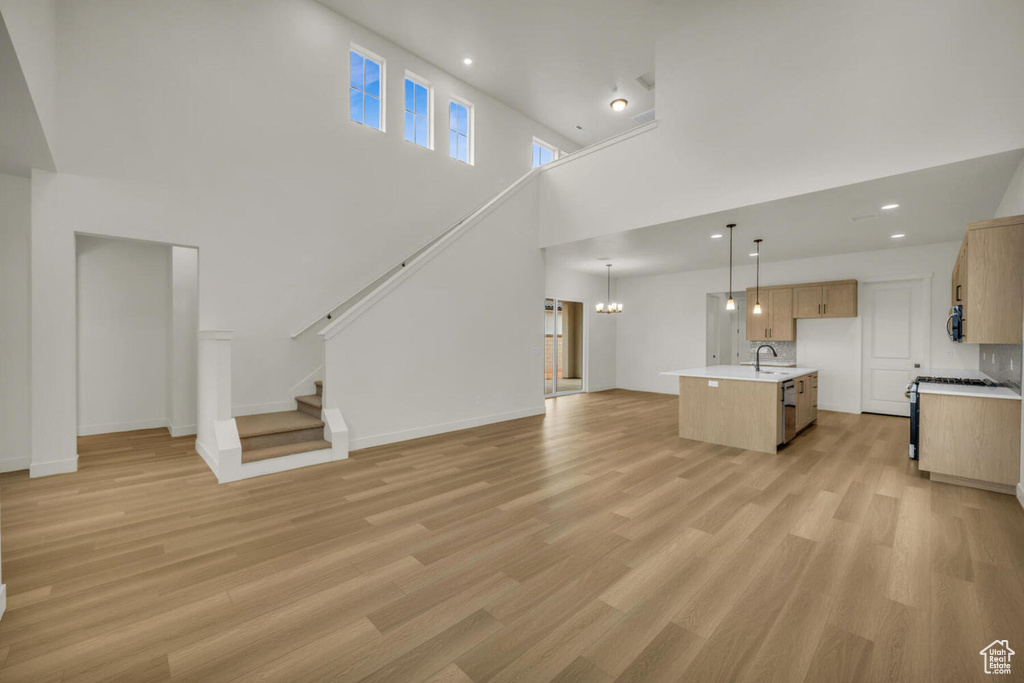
[(730, 226), (757, 295)]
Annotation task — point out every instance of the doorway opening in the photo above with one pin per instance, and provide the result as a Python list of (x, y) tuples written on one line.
[(563, 347), (137, 346), (726, 342)]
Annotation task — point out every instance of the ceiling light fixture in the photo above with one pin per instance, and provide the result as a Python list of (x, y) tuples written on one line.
[(757, 294), (467, 61), (730, 305), (753, 253), (716, 236), (611, 307), (619, 104), (889, 207), (898, 236)]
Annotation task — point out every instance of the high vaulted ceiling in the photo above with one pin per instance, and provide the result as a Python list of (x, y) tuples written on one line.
[(556, 61), (935, 205)]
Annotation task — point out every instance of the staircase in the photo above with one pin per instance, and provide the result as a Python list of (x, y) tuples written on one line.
[(274, 435)]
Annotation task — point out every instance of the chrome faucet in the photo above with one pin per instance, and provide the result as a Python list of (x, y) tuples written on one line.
[(757, 355)]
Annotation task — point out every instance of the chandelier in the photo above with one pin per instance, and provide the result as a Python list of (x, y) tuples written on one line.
[(610, 307)]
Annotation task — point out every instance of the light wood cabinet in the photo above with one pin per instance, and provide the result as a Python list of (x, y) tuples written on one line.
[(775, 322), (826, 300), (971, 438), (990, 277), (783, 305), (806, 412), (958, 293), (807, 301), (814, 395), (839, 300), (758, 324), (782, 325)]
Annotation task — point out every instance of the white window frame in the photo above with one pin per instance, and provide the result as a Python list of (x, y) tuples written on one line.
[(409, 75), (471, 118), (369, 54), (555, 153)]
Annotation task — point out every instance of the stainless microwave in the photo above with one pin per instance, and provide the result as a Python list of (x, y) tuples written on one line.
[(955, 324)]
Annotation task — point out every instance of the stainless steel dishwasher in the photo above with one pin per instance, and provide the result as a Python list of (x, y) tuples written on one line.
[(788, 412)]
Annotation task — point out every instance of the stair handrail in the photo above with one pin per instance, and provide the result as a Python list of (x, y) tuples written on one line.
[(389, 273), (377, 282)]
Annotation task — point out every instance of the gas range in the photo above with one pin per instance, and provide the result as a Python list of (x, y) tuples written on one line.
[(915, 404), (962, 381)]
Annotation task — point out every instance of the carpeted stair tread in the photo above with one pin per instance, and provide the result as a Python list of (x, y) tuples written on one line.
[(281, 451), (275, 423)]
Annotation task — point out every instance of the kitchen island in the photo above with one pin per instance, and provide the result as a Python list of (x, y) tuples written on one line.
[(738, 406)]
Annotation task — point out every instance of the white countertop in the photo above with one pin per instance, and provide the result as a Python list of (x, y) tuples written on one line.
[(960, 390), (764, 364), (743, 372)]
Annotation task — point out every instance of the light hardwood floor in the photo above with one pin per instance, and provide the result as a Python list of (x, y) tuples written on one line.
[(589, 545)]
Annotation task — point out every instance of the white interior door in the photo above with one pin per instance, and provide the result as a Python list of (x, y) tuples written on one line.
[(895, 327)]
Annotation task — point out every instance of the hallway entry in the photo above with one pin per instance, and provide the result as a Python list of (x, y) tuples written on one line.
[(138, 322)]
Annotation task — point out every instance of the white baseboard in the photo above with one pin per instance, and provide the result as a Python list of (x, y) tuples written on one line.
[(45, 469), (258, 408), (835, 408), (211, 462), (431, 430), (183, 430), (601, 387), (15, 464), (3, 599), (90, 430), (1020, 494)]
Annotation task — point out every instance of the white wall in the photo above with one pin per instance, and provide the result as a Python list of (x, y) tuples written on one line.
[(1013, 201), (15, 233), (124, 300), (32, 25), (599, 331), (666, 326), (761, 100), (182, 347), (457, 344), (1012, 204), (225, 126)]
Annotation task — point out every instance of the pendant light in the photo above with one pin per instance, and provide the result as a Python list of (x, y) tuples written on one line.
[(730, 305), (612, 307), (757, 291)]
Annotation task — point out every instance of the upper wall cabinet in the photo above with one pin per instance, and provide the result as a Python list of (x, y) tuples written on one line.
[(826, 300), (783, 305), (988, 281), (775, 321)]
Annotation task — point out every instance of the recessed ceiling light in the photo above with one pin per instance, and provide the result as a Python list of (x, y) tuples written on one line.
[(889, 207), (716, 236), (619, 104), (898, 235), (467, 61), (753, 253)]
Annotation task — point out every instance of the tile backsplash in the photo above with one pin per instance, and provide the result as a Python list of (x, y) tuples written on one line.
[(1002, 363), (785, 349)]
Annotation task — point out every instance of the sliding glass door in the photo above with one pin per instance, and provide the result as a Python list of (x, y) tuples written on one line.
[(563, 347)]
